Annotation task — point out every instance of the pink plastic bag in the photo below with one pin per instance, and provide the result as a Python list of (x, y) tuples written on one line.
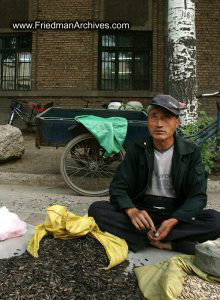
[(10, 225)]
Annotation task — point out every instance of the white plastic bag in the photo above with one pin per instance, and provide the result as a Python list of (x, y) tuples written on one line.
[(10, 224)]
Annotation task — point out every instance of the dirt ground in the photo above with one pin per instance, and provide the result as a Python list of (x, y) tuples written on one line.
[(216, 170), (44, 160)]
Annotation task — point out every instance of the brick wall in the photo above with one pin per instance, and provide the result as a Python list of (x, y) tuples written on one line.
[(69, 59), (208, 50), (64, 58), (208, 45)]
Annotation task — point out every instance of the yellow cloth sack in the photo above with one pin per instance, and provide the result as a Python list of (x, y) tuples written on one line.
[(65, 225), (164, 281)]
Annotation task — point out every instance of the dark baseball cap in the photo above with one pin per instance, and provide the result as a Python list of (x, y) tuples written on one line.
[(167, 102)]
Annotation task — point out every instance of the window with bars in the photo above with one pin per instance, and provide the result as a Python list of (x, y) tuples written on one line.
[(15, 62), (125, 61)]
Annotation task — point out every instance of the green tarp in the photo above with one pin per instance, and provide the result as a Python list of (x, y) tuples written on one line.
[(110, 132)]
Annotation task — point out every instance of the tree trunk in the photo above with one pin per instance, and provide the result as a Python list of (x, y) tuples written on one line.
[(180, 67)]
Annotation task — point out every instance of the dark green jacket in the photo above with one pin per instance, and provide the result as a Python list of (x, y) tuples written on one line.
[(189, 178)]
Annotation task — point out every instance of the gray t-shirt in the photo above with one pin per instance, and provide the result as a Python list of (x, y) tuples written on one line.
[(161, 181)]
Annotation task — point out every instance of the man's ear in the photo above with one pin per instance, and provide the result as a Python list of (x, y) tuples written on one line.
[(178, 122)]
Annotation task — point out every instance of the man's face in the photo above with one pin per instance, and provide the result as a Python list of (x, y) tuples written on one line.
[(161, 123)]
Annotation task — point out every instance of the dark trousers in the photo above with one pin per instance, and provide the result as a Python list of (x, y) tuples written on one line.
[(183, 236)]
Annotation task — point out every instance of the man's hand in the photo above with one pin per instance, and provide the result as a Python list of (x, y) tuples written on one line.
[(140, 218), (165, 227)]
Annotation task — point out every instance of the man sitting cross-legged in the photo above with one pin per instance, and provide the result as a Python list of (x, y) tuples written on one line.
[(158, 193)]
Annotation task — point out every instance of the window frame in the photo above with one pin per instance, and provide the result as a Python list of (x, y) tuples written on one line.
[(15, 51), (117, 49)]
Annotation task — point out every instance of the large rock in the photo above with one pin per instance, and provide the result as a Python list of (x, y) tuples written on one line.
[(11, 143)]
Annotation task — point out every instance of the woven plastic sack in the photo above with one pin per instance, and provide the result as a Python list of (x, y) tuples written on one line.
[(207, 257), (10, 225), (65, 225)]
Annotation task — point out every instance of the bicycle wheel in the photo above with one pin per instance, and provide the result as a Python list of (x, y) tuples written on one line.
[(84, 167)]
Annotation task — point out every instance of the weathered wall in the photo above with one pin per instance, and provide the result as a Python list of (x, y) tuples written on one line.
[(65, 63), (208, 50), (208, 46), (64, 58), (13, 10)]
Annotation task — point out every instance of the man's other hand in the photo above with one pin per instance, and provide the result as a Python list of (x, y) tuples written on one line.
[(140, 218), (165, 228)]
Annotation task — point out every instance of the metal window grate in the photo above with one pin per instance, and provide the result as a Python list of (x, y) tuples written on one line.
[(15, 62), (125, 61)]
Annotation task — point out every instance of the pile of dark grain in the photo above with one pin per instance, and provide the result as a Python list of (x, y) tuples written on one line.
[(66, 269)]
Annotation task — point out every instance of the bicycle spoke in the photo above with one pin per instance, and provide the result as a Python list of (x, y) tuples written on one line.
[(85, 175), (77, 156), (74, 168), (106, 172)]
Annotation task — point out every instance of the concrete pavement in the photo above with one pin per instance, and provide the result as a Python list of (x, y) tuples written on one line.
[(30, 202)]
